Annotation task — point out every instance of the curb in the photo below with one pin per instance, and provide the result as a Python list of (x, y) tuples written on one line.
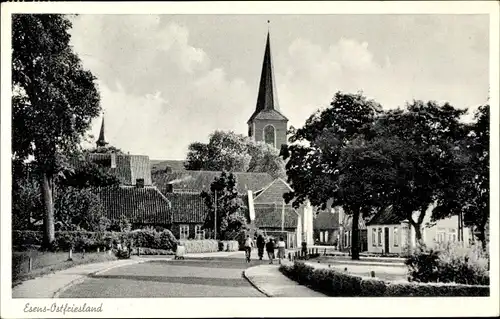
[(82, 278), (260, 289)]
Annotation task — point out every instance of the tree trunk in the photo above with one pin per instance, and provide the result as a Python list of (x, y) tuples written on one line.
[(48, 220), (482, 236), (355, 236), (418, 232)]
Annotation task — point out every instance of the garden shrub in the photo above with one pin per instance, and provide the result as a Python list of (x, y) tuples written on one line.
[(90, 241), (336, 283), (152, 251), (449, 262), (200, 246)]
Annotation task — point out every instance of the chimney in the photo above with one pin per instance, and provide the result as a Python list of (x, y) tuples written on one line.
[(139, 183), (169, 188)]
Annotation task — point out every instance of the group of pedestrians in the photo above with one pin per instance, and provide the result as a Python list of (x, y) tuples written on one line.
[(270, 246)]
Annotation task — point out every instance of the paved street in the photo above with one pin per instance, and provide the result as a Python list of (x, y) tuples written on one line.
[(203, 277)]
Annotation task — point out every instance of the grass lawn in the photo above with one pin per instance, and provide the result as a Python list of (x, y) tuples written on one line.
[(44, 263)]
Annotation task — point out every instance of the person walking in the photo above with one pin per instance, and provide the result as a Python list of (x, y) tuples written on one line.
[(281, 249), (270, 250), (248, 248), (261, 243)]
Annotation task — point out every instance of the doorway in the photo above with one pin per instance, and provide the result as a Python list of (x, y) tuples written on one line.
[(386, 240)]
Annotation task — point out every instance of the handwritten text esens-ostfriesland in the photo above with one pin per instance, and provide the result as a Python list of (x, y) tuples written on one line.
[(62, 307)]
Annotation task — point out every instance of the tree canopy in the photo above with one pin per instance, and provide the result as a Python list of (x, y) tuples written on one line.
[(319, 166), (229, 207), (53, 99), (228, 151)]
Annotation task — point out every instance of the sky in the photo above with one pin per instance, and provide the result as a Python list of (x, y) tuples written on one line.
[(169, 80)]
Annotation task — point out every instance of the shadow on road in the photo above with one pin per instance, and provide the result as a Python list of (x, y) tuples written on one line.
[(223, 282)]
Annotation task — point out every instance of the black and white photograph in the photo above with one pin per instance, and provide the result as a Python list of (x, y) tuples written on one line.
[(159, 157)]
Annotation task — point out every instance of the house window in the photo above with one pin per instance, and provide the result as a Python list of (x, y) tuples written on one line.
[(380, 236), (374, 237), (441, 235), (199, 232), (396, 237), (270, 135), (320, 236), (183, 231), (326, 236)]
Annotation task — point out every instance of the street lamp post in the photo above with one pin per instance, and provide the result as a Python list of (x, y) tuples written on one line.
[(215, 217)]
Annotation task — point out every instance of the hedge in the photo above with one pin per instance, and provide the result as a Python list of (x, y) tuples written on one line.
[(90, 241), (335, 283)]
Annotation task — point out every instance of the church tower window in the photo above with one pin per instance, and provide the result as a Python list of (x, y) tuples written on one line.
[(270, 135)]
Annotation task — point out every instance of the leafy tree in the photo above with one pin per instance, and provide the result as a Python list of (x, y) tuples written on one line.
[(53, 100), (228, 151), (27, 207), (317, 161), (468, 194), (79, 208), (121, 224), (230, 208), (424, 161), (265, 158), (89, 174)]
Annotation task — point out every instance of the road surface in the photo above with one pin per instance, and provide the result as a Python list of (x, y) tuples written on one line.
[(203, 277)]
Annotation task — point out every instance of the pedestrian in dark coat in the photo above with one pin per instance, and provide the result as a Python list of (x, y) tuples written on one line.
[(261, 243), (270, 250)]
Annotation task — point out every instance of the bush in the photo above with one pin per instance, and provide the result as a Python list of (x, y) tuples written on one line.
[(335, 283), (122, 254), (90, 241), (449, 263), (151, 251), (200, 246)]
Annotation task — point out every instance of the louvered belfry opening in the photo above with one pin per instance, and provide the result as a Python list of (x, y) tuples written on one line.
[(139, 183)]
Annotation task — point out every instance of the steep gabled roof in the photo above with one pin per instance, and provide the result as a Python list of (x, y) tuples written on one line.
[(187, 208), (348, 223), (140, 205), (270, 216), (175, 165), (198, 181), (385, 216)]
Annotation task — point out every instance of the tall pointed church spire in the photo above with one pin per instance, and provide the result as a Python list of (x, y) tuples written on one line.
[(267, 98), (101, 141), (267, 123)]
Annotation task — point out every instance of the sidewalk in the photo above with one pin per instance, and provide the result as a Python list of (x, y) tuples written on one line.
[(51, 285), (271, 282)]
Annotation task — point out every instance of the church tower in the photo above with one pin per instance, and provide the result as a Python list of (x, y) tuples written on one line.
[(267, 123)]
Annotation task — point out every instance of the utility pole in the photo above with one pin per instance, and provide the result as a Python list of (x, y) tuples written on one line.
[(215, 217)]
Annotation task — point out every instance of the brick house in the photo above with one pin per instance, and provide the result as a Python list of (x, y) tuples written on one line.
[(136, 198), (142, 206)]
